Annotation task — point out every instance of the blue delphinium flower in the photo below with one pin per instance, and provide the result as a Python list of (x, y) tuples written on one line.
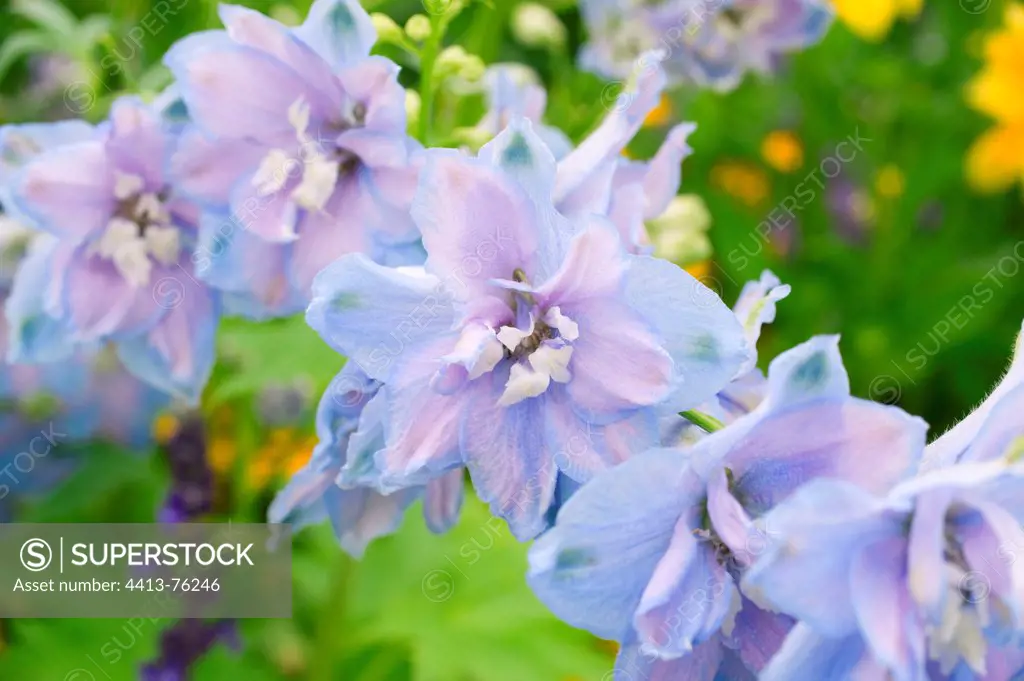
[(311, 163), (650, 553), (528, 345), (710, 43), (513, 91), (120, 268), (596, 178), (921, 584), (350, 424)]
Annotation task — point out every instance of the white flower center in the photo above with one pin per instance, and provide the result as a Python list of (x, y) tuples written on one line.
[(140, 232), (960, 635), (320, 168), (546, 355)]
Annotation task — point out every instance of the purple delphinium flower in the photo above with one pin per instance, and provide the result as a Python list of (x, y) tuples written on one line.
[(528, 345), (596, 178), (312, 163), (184, 643), (651, 552), (513, 91), (350, 424), (192, 482), (120, 268), (707, 43)]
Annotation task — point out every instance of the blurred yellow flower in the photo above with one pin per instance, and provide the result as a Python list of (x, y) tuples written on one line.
[(164, 428), (996, 160), (745, 181), (221, 454), (890, 183), (872, 19), (783, 151)]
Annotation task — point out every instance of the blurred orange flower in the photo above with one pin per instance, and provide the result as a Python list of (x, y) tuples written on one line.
[(659, 115), (783, 151), (745, 181)]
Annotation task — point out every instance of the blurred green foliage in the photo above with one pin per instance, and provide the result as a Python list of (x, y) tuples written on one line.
[(926, 296)]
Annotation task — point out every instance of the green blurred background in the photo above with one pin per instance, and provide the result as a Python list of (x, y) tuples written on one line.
[(896, 253)]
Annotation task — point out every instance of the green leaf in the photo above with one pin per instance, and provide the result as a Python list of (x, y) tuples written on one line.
[(460, 604), (90, 32), (23, 44), (48, 14), (283, 351), (110, 649)]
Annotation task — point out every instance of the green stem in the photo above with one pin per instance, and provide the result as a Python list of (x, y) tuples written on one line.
[(703, 421), (428, 57), (331, 625)]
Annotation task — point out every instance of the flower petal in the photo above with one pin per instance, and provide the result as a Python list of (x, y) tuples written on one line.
[(635, 663), (68, 190), (806, 654), (375, 315), (442, 501), (477, 223), (884, 609), (618, 365), (688, 597), (253, 271), (423, 425), (240, 92), (816, 534), (177, 354), (339, 30), (206, 169), (33, 335), (592, 567), (122, 310), (700, 334), (661, 181), (505, 452)]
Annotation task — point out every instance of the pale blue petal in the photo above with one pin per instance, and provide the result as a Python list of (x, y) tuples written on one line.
[(816, 534), (699, 332), (636, 663), (808, 655), (505, 452), (442, 501), (339, 30), (593, 566), (376, 315), (521, 154), (33, 335)]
